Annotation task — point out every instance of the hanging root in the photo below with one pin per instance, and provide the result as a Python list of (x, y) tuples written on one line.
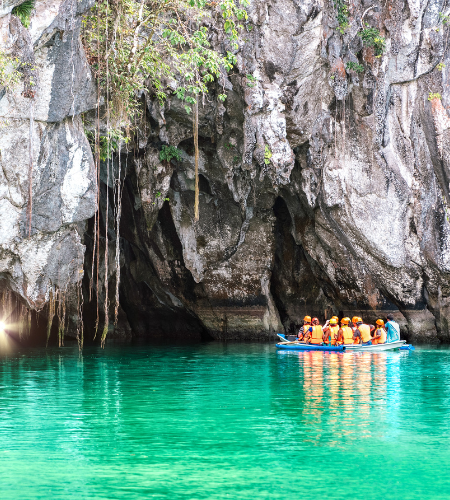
[(51, 313), (104, 334), (61, 318), (196, 202)]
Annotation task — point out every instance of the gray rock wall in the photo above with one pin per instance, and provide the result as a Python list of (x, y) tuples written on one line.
[(349, 216), (42, 143)]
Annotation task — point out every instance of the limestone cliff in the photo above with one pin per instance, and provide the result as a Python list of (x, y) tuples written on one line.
[(348, 214)]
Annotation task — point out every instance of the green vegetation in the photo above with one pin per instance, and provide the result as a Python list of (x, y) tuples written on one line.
[(434, 95), (158, 195), (252, 79), (132, 44), (267, 154), (23, 12), (358, 68), (440, 66), (9, 74), (342, 15), (169, 153), (371, 38), (445, 19), (107, 144)]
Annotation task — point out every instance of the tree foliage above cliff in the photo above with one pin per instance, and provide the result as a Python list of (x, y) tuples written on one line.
[(163, 45)]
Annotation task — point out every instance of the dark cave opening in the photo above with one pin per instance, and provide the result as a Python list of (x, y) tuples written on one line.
[(294, 286), (156, 289)]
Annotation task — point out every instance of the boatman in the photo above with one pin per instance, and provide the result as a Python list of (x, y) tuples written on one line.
[(363, 333), (304, 328), (379, 337), (330, 332), (393, 329), (345, 334)]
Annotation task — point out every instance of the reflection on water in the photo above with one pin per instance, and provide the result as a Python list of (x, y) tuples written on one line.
[(223, 421)]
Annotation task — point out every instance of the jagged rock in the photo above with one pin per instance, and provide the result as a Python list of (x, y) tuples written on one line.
[(322, 190), (42, 142)]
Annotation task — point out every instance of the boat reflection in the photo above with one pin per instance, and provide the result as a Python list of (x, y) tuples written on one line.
[(350, 395)]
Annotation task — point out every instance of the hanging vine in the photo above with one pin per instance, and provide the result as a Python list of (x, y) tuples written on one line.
[(161, 46)]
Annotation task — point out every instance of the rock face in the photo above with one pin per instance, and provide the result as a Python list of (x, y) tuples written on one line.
[(348, 215), (47, 180)]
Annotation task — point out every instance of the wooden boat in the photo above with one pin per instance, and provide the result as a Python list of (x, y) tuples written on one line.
[(302, 346)]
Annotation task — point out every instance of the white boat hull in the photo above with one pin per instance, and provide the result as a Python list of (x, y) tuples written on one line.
[(375, 348)]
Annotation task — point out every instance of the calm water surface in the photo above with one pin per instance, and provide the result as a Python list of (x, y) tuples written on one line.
[(213, 421)]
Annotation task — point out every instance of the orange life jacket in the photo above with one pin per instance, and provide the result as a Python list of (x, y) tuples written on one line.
[(332, 334), (365, 332), (317, 334), (382, 339), (347, 334)]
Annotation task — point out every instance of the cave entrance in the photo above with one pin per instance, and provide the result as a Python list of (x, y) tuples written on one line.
[(294, 287)]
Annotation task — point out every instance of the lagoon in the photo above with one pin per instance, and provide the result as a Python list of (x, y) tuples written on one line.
[(224, 420)]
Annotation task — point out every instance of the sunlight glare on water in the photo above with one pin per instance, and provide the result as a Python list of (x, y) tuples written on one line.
[(213, 421)]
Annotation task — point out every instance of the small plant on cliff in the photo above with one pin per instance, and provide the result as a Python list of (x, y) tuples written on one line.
[(434, 95), (267, 154), (342, 15), (169, 153), (445, 19), (9, 74), (23, 12), (440, 66), (358, 68), (371, 38)]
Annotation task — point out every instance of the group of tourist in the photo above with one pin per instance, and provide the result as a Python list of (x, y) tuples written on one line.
[(350, 331)]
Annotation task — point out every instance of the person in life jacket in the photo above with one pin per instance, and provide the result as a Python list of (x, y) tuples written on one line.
[(304, 328), (363, 333), (353, 322), (330, 332), (345, 333), (314, 334), (379, 336)]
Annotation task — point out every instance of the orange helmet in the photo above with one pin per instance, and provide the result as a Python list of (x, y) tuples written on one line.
[(307, 319), (333, 321), (345, 321), (335, 317), (315, 321), (380, 322), (355, 319)]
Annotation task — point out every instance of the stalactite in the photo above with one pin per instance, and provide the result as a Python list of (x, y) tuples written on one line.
[(195, 124)]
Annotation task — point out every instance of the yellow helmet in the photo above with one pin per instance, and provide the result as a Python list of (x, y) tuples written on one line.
[(336, 318), (333, 321), (359, 320), (307, 319), (345, 321), (380, 322)]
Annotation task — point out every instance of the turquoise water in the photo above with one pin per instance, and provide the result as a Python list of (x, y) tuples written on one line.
[(213, 421)]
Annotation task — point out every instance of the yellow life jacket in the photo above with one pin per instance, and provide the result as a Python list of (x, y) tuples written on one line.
[(347, 334), (365, 332), (332, 334), (382, 333), (317, 334)]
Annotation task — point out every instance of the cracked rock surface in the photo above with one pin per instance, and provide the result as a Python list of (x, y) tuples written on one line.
[(348, 215)]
